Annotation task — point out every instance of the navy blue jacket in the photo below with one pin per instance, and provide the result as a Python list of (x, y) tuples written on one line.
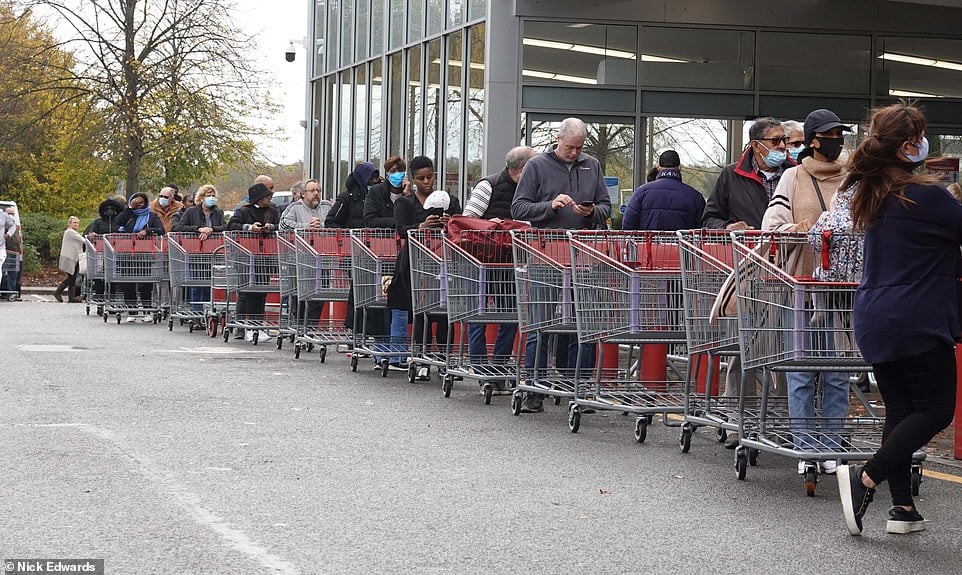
[(664, 204), (908, 300)]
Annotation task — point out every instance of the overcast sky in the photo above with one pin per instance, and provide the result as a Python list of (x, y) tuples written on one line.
[(276, 23)]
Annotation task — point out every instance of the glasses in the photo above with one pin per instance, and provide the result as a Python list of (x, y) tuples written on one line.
[(775, 141), (168, 197)]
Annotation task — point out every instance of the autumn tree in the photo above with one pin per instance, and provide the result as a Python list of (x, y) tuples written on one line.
[(175, 80)]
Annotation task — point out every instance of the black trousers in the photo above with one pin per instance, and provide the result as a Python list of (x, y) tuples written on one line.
[(919, 395)]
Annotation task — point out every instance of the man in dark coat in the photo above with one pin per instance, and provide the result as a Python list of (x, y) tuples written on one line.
[(348, 209), (259, 216), (666, 203)]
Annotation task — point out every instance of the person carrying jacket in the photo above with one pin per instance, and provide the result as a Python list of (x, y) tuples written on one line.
[(348, 208), (804, 192), (379, 204), (666, 203), (743, 189)]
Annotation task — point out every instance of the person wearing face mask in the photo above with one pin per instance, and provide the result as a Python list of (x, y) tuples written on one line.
[(203, 218), (743, 189), (804, 192), (108, 209), (906, 308), (379, 204), (166, 206), (348, 208), (795, 133), (139, 220)]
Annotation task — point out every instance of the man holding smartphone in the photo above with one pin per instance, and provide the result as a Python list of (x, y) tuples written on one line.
[(561, 188)]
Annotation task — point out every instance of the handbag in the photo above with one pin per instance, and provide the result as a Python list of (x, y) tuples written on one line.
[(486, 240)]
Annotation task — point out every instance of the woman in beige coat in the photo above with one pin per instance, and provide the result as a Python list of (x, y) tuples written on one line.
[(71, 252)]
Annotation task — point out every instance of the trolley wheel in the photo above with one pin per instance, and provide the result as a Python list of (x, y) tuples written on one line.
[(100, 310), (353, 363), (323, 353), (227, 331), (516, 400), (310, 346), (157, 318), (741, 463), (446, 385), (752, 456), (297, 351), (488, 392), (118, 319), (280, 342), (170, 325), (384, 363), (88, 310), (412, 372), (721, 435), (687, 430), (105, 316), (641, 429), (811, 480), (557, 400), (916, 479), (190, 326), (574, 419), (212, 326), (255, 336), (14, 297)]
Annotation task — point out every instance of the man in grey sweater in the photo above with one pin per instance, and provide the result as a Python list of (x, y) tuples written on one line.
[(306, 213), (560, 188)]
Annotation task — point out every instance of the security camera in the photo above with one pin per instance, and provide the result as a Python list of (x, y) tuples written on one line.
[(290, 54)]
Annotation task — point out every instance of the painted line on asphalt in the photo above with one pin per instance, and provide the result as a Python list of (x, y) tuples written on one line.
[(943, 476)]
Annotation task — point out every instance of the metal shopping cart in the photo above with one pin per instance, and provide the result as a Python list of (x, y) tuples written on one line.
[(130, 262), (798, 324), (480, 291), (287, 280), (253, 272), (627, 288), (94, 287), (428, 299), (373, 258), (323, 277), (190, 258), (543, 277), (216, 308), (11, 268)]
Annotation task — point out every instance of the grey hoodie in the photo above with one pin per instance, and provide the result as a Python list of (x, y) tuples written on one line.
[(545, 176)]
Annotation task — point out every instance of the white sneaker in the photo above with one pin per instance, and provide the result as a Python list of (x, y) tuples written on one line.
[(249, 335), (829, 466), (801, 467), (146, 319), (131, 318)]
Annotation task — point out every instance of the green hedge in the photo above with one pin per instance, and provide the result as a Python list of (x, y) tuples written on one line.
[(31, 261), (44, 234)]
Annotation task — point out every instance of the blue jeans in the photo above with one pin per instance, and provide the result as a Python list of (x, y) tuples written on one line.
[(503, 343), (399, 333), (198, 296)]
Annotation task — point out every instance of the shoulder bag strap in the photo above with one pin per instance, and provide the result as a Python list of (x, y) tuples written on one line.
[(818, 191)]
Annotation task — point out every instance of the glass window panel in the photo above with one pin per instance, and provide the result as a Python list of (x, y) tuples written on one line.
[(829, 63), (396, 103), (415, 20), (376, 129), (395, 32), (579, 54), (347, 32), (330, 120), (455, 13), (435, 16), (454, 118), (699, 58), (330, 41), (415, 102), (360, 114), (320, 30), (919, 67), (479, 9), (345, 129), (377, 27), (363, 29), (701, 143), (432, 100), (474, 140)]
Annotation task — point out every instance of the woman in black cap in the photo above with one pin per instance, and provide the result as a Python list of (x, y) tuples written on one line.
[(259, 216)]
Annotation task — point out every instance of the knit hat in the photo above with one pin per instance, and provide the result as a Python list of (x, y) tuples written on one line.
[(256, 192)]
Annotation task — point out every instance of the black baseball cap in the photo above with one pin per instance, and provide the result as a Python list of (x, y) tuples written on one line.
[(669, 159), (821, 120)]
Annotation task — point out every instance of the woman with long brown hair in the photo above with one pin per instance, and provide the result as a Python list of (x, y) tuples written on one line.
[(906, 309)]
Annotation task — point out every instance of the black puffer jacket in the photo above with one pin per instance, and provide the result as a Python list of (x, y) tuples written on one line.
[(107, 222), (378, 207), (193, 219)]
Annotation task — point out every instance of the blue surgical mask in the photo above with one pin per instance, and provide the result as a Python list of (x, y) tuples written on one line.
[(164, 202), (774, 158), (210, 202), (794, 152), (396, 179), (923, 152)]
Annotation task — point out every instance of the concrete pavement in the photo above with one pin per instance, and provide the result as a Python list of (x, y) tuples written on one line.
[(169, 452)]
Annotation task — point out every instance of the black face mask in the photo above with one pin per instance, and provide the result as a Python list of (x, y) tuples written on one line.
[(831, 148)]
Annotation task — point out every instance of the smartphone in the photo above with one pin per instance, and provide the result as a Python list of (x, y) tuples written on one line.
[(587, 204)]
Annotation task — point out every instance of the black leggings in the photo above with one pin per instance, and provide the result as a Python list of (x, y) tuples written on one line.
[(919, 394)]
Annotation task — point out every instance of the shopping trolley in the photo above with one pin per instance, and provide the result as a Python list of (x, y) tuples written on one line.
[(216, 308), (798, 324), (627, 288), (287, 281), (543, 277), (323, 276), (373, 257), (252, 268), (190, 258), (11, 265), (428, 299), (94, 287), (480, 290), (130, 260)]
